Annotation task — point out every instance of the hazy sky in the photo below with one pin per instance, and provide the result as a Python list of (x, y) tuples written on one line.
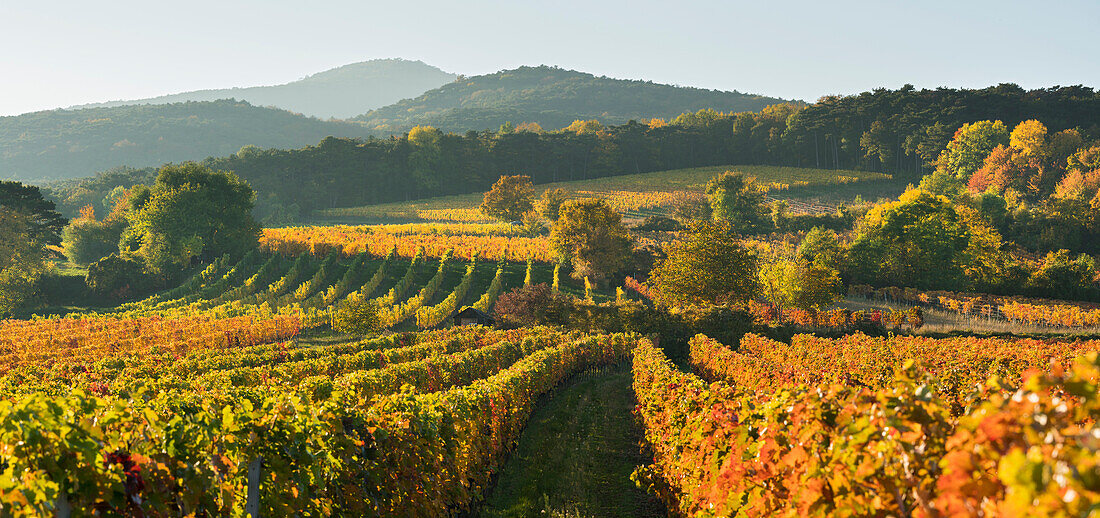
[(60, 53)]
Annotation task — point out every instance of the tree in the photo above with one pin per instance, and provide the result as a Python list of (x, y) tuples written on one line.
[(822, 246), (22, 258), (509, 198), (926, 241), (549, 204), (590, 235), (1029, 137), (969, 147), (358, 317), (532, 305), (44, 222), (189, 212), (1064, 275), (87, 240), (799, 283), (737, 201), (426, 156), (709, 267)]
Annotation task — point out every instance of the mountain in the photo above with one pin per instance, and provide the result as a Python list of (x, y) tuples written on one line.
[(60, 144), (553, 98), (338, 93)]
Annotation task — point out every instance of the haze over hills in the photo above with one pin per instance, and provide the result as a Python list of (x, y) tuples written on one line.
[(73, 143), (339, 93), (61, 144), (553, 98)]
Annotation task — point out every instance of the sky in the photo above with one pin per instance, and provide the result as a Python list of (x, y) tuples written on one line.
[(62, 53)]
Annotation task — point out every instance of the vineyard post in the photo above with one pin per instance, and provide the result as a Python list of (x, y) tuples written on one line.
[(252, 505), (64, 509)]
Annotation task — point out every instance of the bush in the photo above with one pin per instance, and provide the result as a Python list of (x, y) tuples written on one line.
[(117, 277), (87, 241), (357, 318), (659, 224), (531, 306)]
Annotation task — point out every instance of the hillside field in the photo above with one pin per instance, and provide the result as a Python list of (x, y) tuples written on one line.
[(635, 195)]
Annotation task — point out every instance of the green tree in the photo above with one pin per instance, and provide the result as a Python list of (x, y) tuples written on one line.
[(509, 199), (738, 201), (116, 277), (709, 267), (189, 212), (969, 147), (87, 240), (590, 235), (22, 258), (926, 241), (824, 247), (800, 284), (45, 224), (1063, 275)]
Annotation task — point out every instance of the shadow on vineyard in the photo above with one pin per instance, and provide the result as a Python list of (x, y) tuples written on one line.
[(576, 455)]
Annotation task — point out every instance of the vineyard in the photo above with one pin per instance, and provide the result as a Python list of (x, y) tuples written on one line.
[(409, 424), (635, 195), (873, 427), (415, 292), (1016, 309)]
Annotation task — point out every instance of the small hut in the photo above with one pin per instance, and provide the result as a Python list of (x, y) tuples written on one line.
[(470, 316)]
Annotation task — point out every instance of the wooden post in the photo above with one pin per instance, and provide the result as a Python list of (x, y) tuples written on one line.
[(252, 505), (64, 509)]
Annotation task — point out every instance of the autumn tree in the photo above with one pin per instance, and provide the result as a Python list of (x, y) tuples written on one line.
[(824, 247), (709, 267), (549, 204), (799, 283), (590, 235), (509, 199), (1065, 275), (737, 201)]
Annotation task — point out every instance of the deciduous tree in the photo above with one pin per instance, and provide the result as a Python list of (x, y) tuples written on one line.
[(709, 267), (190, 211), (737, 201), (590, 235), (509, 199)]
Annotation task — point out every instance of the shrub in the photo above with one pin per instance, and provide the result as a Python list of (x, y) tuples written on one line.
[(117, 277), (530, 306), (358, 317)]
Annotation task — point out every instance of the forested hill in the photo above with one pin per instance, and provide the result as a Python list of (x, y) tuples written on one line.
[(893, 131), (60, 144), (339, 93), (553, 98)]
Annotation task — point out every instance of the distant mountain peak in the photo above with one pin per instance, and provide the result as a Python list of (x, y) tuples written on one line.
[(340, 92)]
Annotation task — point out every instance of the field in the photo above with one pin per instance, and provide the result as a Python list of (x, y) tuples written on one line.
[(232, 395), (635, 195)]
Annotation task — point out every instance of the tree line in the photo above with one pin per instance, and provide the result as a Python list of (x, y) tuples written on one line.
[(899, 131)]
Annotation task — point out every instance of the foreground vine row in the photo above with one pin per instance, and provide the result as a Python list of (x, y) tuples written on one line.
[(782, 447)]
